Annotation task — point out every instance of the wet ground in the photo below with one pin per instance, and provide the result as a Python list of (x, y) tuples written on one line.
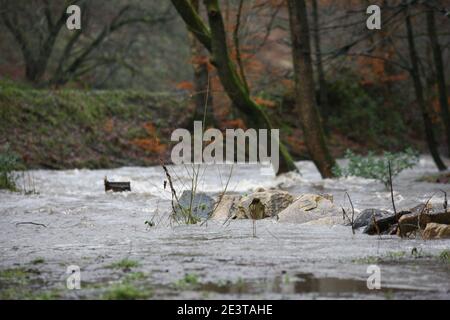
[(71, 221)]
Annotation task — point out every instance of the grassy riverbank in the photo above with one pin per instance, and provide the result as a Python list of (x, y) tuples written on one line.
[(87, 129), (73, 128)]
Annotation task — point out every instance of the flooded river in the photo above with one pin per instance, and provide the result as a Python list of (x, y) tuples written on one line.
[(70, 220)]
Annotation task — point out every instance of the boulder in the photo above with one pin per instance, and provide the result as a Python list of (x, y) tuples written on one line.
[(274, 202), (225, 208), (202, 204), (365, 217), (436, 231), (311, 207), (410, 222)]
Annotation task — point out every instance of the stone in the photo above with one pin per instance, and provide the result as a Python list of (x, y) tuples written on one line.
[(436, 231), (407, 221), (410, 222), (274, 202), (202, 204), (311, 207), (365, 217), (226, 206), (327, 221)]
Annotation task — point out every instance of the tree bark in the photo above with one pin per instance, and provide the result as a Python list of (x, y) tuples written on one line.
[(36, 59), (431, 140), (323, 95), (215, 42), (305, 93), (202, 85), (440, 76)]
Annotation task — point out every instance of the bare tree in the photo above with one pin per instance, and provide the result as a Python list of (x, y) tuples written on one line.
[(304, 87), (214, 39), (319, 64), (431, 139), (440, 76), (202, 83), (36, 37), (36, 26)]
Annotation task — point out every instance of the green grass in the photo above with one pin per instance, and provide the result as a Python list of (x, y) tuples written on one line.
[(444, 256), (388, 257), (20, 275), (135, 276), (20, 293), (188, 281), (96, 125), (19, 283), (124, 264), (38, 261), (396, 256), (367, 260), (126, 291)]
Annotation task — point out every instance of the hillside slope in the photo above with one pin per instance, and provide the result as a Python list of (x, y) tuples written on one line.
[(87, 129)]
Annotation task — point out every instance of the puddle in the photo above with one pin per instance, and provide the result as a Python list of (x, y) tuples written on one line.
[(298, 284)]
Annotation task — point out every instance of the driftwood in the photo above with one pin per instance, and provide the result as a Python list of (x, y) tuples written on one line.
[(117, 186), (383, 225), (31, 223)]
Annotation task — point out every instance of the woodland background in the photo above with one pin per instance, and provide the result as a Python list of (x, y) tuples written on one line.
[(112, 93)]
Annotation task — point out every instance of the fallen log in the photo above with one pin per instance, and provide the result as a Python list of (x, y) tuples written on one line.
[(117, 186), (383, 225)]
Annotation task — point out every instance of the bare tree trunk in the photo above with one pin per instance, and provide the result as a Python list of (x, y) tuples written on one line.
[(439, 66), (215, 41), (36, 61), (323, 95), (305, 93), (238, 46), (202, 84), (431, 140)]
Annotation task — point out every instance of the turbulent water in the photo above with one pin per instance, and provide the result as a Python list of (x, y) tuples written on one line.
[(87, 227)]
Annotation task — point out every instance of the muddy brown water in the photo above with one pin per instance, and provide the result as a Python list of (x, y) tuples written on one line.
[(93, 230)]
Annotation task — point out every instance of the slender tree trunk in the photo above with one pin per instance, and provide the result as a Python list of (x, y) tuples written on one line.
[(202, 84), (215, 42), (36, 61), (305, 93), (431, 140), (237, 46), (440, 76), (255, 115), (323, 95)]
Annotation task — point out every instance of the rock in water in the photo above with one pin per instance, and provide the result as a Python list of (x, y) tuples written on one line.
[(274, 202), (367, 215), (382, 225), (410, 222), (436, 231), (202, 204), (311, 207), (407, 221), (225, 207)]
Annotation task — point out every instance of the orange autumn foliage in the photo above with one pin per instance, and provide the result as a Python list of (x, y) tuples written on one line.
[(152, 144), (185, 85), (109, 125), (235, 124), (265, 103)]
